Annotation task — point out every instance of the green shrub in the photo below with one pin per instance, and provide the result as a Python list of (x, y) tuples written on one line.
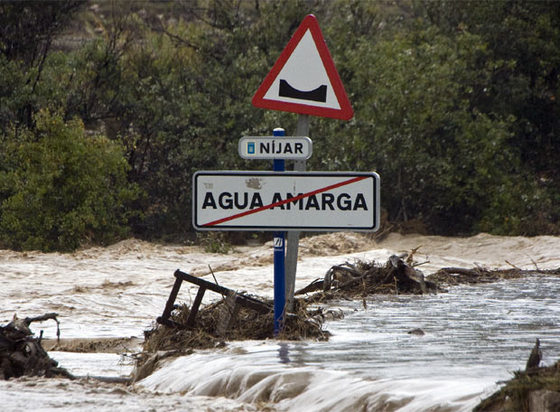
[(214, 242), (60, 189)]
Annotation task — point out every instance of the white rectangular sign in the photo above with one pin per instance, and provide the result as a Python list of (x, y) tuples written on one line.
[(275, 147), (281, 201)]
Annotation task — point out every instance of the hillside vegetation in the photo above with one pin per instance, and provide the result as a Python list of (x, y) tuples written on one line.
[(108, 108)]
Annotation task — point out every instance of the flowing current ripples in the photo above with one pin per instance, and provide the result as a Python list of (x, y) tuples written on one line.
[(474, 336)]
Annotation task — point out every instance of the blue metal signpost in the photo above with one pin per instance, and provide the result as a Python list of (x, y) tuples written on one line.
[(279, 257), (321, 94)]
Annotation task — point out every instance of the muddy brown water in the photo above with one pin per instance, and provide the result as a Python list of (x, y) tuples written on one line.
[(474, 336)]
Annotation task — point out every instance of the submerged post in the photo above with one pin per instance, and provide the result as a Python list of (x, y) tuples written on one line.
[(302, 129), (279, 256)]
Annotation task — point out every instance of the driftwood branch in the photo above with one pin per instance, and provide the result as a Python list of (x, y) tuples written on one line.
[(47, 316), (42, 318), (400, 275), (363, 279), (22, 354)]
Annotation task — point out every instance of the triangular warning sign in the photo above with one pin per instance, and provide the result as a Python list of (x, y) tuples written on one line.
[(304, 79)]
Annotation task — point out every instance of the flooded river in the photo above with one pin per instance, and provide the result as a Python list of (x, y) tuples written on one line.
[(475, 336)]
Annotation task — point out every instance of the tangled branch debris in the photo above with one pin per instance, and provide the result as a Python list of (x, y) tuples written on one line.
[(248, 324), (22, 354), (163, 340), (400, 276), (225, 320), (367, 278), (457, 276), (180, 331)]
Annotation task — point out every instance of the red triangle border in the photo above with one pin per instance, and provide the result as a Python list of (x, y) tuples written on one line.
[(345, 112)]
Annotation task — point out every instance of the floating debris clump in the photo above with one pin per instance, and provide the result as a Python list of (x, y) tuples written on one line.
[(21, 354)]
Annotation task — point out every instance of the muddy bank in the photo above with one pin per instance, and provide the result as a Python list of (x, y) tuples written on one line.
[(93, 345)]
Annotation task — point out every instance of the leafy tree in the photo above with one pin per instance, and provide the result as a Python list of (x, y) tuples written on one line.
[(15, 92), (528, 87), (179, 100), (27, 28), (439, 158), (447, 115), (523, 41), (60, 188), (27, 31)]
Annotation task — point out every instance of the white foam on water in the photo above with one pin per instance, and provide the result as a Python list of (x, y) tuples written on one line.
[(249, 379), (475, 335)]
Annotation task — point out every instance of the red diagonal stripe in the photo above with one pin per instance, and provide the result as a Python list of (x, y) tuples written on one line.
[(282, 202)]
